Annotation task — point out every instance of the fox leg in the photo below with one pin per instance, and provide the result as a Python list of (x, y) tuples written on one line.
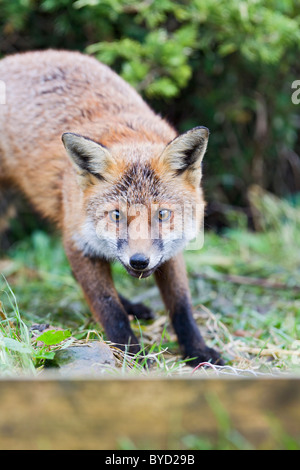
[(172, 281), (94, 277), (138, 310)]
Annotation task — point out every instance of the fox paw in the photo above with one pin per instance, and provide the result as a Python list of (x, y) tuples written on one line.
[(140, 311), (204, 355)]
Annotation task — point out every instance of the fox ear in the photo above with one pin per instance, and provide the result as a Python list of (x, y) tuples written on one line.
[(88, 156), (185, 153)]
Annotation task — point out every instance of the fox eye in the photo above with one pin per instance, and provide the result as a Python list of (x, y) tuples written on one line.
[(115, 215), (164, 215)]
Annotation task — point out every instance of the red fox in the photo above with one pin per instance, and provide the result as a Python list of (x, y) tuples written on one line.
[(92, 157)]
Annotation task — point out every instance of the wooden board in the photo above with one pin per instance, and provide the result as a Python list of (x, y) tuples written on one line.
[(52, 413)]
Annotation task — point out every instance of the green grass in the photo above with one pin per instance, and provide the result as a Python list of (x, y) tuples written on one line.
[(256, 327)]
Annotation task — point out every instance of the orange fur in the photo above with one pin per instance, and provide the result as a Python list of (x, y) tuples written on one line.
[(58, 92)]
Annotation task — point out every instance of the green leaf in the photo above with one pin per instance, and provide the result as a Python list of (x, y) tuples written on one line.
[(52, 337), (42, 354)]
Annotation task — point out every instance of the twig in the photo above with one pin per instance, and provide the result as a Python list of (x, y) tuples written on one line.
[(268, 352), (228, 370)]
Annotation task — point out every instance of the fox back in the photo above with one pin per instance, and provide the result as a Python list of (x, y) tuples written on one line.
[(119, 185)]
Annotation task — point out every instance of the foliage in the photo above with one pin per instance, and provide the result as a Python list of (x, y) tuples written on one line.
[(20, 352), (226, 65)]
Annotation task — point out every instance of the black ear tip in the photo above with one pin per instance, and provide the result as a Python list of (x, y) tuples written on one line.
[(65, 136), (204, 130), (73, 134)]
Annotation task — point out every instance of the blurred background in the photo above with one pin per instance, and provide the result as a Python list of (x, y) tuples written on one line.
[(226, 65)]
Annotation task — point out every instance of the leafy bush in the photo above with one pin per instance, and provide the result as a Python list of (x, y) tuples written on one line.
[(226, 65)]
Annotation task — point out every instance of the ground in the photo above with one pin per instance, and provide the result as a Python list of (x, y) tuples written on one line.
[(245, 289)]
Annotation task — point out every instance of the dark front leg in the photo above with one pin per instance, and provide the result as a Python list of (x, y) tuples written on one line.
[(189, 337), (172, 281), (139, 311), (94, 276)]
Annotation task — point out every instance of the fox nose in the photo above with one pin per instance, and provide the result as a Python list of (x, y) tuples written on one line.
[(139, 261)]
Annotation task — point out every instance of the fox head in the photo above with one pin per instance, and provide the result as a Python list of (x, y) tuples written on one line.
[(142, 202)]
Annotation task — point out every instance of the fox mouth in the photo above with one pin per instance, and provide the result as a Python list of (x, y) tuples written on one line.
[(140, 274)]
